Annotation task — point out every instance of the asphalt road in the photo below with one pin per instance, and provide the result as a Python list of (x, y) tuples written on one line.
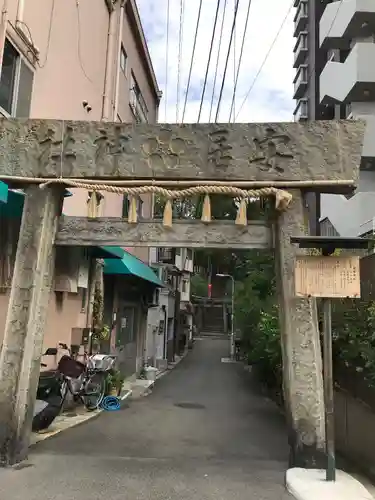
[(204, 433)]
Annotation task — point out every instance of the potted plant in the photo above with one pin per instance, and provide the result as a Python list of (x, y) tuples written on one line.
[(115, 382)]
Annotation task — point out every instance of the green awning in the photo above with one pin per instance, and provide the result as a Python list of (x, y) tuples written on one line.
[(107, 252), (3, 192), (130, 265), (11, 200), (14, 205)]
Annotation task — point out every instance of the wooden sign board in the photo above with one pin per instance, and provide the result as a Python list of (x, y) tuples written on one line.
[(330, 277)]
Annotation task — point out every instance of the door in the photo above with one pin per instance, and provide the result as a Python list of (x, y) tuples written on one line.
[(126, 339)]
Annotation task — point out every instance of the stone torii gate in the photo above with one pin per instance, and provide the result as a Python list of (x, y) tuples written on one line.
[(316, 156)]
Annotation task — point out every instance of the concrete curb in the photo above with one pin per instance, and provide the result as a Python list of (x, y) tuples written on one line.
[(69, 422), (304, 484), (172, 366)]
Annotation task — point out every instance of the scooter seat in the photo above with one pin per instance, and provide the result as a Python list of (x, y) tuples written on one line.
[(48, 374)]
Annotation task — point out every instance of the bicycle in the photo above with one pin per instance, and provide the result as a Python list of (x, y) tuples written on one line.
[(90, 378)]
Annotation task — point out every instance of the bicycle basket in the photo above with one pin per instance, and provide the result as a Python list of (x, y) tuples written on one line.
[(101, 362), (70, 367)]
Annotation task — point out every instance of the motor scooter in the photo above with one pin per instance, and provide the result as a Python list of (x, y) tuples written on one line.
[(49, 397)]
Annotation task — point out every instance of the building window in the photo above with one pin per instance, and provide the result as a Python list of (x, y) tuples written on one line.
[(137, 102), (125, 207), (123, 59), (16, 83)]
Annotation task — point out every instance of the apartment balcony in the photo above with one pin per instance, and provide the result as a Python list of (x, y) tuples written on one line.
[(301, 113), (344, 21), (301, 81), (352, 80), (300, 49), (301, 18), (166, 255)]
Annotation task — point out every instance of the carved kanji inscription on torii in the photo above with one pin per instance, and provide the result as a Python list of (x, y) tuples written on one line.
[(220, 150), (57, 153), (111, 146), (255, 151), (270, 150)]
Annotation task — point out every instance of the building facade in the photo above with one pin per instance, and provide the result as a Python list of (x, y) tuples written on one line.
[(170, 321), (79, 60), (335, 79)]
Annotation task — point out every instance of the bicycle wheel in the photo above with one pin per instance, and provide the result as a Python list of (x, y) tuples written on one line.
[(94, 391)]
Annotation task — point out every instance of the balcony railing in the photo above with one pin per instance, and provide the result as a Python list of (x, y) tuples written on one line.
[(300, 49), (301, 18), (166, 255), (302, 110), (301, 82)]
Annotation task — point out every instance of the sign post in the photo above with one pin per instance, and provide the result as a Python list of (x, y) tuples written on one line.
[(326, 276)]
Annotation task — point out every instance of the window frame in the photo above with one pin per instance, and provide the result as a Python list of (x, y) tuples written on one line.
[(123, 57), (16, 83), (135, 94)]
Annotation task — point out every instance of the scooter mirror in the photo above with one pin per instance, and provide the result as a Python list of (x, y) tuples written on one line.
[(51, 351)]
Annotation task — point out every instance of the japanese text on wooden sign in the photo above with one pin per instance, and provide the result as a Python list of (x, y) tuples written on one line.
[(330, 277)]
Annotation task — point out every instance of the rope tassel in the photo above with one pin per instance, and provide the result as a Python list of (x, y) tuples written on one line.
[(168, 212), (92, 205), (241, 219), (206, 211), (132, 215), (282, 200)]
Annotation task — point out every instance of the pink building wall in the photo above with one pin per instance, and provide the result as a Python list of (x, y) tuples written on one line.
[(71, 70)]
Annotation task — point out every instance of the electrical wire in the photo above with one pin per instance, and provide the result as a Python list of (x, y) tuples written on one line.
[(312, 72), (192, 59), (218, 59), (209, 59), (180, 43), (79, 43), (166, 63), (232, 108), (49, 34), (234, 50), (226, 62), (265, 58)]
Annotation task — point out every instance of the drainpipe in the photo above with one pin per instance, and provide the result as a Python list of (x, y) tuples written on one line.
[(108, 76), (117, 79), (20, 10), (3, 31)]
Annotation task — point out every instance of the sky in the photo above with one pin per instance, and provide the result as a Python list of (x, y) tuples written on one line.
[(271, 98)]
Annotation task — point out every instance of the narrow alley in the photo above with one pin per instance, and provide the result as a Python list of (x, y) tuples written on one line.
[(204, 433)]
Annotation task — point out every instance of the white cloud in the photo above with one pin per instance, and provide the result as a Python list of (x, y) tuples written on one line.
[(271, 97)]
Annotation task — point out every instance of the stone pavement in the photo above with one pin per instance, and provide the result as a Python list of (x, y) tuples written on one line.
[(204, 433)]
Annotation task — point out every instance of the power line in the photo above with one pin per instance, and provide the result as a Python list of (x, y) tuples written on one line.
[(234, 50), (218, 59), (265, 58), (192, 58), (166, 63), (49, 35), (80, 59), (209, 59), (271, 47), (226, 62), (232, 108), (180, 36)]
